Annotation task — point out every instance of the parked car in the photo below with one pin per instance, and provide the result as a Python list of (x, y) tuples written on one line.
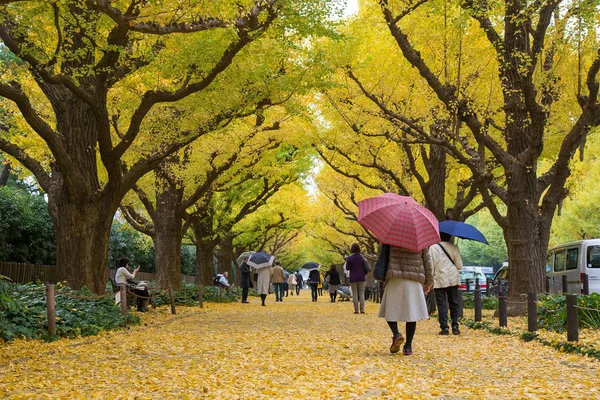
[(472, 276), (574, 260), (487, 271), (500, 280)]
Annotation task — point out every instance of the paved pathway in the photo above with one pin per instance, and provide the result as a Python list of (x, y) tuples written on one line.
[(290, 350)]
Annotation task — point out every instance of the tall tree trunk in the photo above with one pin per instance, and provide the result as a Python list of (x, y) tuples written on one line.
[(205, 249), (4, 174), (168, 234), (526, 242), (204, 261), (435, 188), (227, 259), (82, 236)]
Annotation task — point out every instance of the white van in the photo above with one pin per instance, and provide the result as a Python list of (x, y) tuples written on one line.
[(574, 260)]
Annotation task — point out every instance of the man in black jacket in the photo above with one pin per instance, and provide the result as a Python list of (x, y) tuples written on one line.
[(299, 282)]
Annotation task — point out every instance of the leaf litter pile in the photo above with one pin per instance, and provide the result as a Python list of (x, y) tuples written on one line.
[(295, 349)]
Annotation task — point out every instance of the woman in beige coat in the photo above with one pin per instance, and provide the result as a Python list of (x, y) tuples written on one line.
[(263, 281), (292, 282), (409, 277)]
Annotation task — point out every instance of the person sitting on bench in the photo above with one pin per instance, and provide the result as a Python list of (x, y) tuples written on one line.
[(123, 276), (223, 282)]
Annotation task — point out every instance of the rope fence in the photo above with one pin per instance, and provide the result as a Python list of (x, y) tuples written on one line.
[(571, 308), (123, 292)]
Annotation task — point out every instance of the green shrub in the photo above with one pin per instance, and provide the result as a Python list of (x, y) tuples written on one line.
[(552, 312), (188, 295), (26, 317), (487, 303)]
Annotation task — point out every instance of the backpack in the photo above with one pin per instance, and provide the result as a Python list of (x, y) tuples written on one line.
[(216, 279)]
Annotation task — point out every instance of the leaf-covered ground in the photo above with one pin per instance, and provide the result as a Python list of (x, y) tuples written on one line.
[(295, 349)]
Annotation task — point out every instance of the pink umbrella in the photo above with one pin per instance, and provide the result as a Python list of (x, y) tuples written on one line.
[(399, 221)]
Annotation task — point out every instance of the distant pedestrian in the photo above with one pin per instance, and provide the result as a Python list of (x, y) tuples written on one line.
[(278, 279), (262, 282), (292, 283), (313, 280), (245, 281), (409, 277), (332, 277), (320, 285), (446, 261), (299, 282), (355, 264), (286, 287)]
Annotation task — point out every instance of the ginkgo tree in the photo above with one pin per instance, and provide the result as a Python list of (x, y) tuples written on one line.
[(517, 101), (106, 89)]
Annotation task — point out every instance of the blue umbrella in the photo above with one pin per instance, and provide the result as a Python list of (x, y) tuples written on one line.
[(462, 230), (260, 260)]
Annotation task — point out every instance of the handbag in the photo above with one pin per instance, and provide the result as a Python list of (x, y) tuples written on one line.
[(381, 265), (366, 266)]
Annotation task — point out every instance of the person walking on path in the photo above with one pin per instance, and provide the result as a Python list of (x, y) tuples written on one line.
[(313, 280), (245, 281), (332, 277), (355, 265), (320, 285), (262, 282), (409, 277), (278, 281), (446, 261), (292, 283), (299, 282), (286, 285)]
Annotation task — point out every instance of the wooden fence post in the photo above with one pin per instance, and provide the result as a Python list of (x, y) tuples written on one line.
[(547, 284), (467, 285), (123, 299), (51, 308), (172, 300), (459, 300), (565, 284), (503, 311), (200, 302), (586, 284), (532, 312), (572, 321), (477, 304), (488, 286)]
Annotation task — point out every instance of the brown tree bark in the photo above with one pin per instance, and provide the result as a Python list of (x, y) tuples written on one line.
[(83, 131), (168, 234), (4, 174)]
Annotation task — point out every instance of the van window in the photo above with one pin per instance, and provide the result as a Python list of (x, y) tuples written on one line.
[(549, 262), (559, 261), (593, 257), (572, 257)]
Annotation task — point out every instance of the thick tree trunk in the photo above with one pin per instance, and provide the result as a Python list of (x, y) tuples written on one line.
[(227, 260), (82, 236), (526, 254), (4, 174), (204, 261), (435, 188), (168, 235)]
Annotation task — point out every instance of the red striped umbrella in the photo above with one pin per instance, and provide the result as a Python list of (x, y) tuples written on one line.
[(399, 221)]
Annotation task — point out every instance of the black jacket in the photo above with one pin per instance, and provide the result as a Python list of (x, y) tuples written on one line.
[(334, 277), (314, 276), (245, 282)]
